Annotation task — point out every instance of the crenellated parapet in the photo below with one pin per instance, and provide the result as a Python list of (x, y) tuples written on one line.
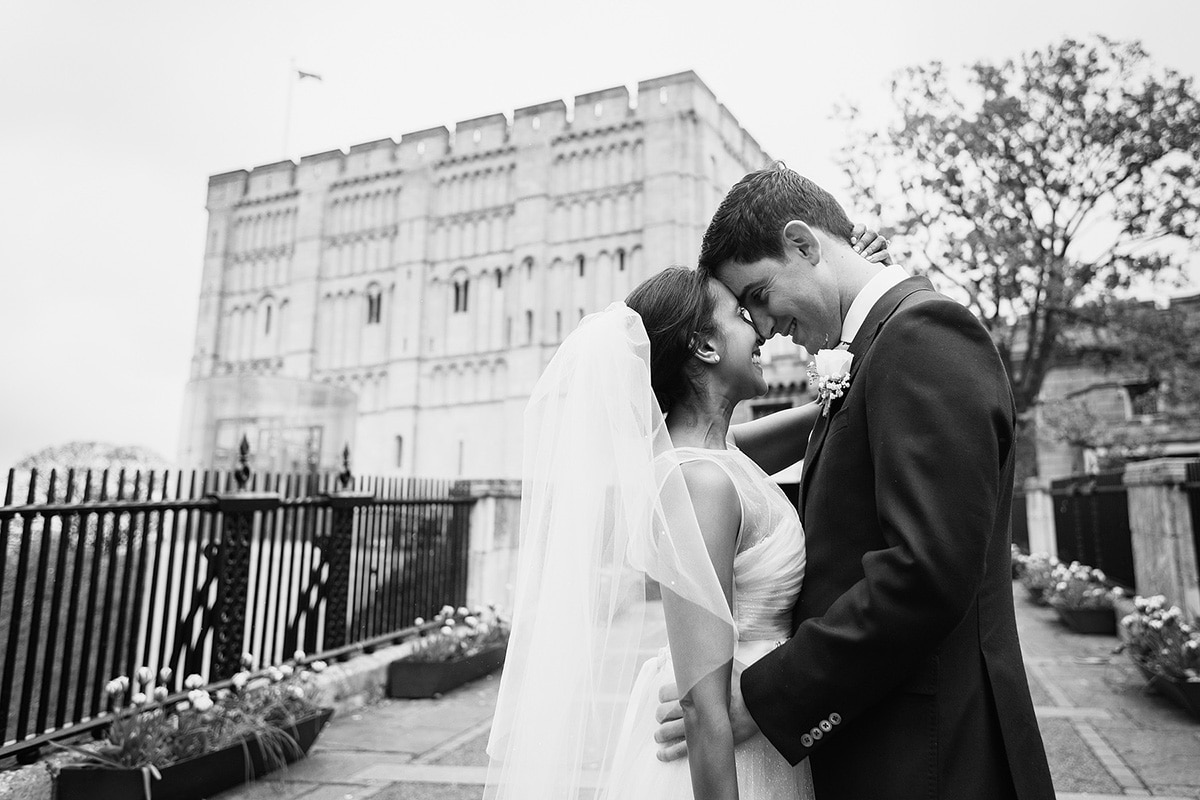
[(589, 115)]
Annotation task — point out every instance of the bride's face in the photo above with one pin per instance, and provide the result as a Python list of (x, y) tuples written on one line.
[(739, 369)]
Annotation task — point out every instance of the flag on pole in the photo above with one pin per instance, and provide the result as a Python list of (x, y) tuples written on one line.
[(301, 75)]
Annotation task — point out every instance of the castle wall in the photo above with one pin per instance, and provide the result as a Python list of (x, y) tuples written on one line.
[(432, 277)]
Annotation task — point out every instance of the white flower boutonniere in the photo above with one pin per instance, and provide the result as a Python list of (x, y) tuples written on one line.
[(829, 373)]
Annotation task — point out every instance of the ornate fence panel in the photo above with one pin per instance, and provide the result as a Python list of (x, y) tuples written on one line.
[(1091, 516), (102, 573)]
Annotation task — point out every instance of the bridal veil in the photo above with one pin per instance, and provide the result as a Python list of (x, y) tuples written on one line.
[(605, 513)]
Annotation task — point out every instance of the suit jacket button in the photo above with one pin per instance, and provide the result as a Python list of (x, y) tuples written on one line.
[(835, 718), (826, 725), (806, 740), (816, 733)]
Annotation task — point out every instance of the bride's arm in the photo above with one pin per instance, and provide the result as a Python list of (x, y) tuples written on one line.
[(706, 705), (777, 440)]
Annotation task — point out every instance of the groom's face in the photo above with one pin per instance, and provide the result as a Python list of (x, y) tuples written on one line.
[(791, 297)]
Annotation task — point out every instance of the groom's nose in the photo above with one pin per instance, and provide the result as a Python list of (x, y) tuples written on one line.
[(759, 327)]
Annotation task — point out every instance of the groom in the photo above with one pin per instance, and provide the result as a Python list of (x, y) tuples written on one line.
[(904, 676)]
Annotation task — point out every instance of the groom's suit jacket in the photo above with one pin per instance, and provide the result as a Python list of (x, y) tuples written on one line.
[(904, 678)]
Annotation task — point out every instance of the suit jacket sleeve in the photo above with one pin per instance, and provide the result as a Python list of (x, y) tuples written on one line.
[(939, 425)]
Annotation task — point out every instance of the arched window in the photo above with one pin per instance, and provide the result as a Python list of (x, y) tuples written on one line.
[(580, 263), (374, 305), (620, 261), (461, 289), (529, 327), (499, 279), (557, 324), (267, 323)]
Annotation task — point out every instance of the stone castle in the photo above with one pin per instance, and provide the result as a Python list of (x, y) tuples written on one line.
[(403, 297)]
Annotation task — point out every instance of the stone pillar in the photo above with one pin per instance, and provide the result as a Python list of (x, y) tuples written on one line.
[(1039, 511), (495, 526), (1160, 522)]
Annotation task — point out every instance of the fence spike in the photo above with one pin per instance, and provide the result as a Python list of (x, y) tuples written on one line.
[(32, 494)]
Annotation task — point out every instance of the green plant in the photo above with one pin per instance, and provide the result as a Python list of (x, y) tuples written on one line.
[(1018, 561), (1037, 575), (461, 634), (1162, 641), (150, 731), (1080, 586)]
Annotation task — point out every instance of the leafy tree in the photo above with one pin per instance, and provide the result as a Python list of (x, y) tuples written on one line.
[(84, 456), (1133, 342), (1039, 189)]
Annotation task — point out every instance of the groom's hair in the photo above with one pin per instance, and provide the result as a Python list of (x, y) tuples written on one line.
[(748, 225)]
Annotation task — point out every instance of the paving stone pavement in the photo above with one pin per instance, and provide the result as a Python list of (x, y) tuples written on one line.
[(1105, 734)]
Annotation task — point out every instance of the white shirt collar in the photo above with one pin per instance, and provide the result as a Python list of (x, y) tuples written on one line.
[(866, 299)]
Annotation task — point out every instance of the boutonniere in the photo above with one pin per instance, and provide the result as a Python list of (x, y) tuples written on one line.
[(829, 373)]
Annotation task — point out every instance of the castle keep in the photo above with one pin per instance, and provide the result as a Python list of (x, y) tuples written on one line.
[(403, 297)]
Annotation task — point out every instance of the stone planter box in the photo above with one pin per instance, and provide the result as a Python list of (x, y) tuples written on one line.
[(421, 679), (1089, 620), (193, 779), (1184, 694)]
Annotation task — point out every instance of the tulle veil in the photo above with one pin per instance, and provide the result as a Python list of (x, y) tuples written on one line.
[(605, 516)]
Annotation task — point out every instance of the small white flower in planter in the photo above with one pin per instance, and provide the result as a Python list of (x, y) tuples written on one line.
[(193, 681)]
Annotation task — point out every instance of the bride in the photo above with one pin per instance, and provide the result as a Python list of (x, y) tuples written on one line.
[(635, 486)]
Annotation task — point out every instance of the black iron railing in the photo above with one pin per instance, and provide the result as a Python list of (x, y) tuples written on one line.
[(1020, 521), (1091, 519), (1192, 487), (103, 573)]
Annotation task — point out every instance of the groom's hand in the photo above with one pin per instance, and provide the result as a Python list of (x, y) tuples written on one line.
[(670, 733), (870, 245)]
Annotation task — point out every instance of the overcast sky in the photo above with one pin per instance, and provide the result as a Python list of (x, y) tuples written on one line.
[(113, 114)]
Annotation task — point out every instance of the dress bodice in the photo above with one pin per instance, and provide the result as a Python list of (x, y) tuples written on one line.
[(768, 565)]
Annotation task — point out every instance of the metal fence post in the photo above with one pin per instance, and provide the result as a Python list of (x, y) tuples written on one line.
[(336, 546), (239, 512)]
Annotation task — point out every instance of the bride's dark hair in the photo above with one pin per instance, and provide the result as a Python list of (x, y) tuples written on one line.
[(676, 308)]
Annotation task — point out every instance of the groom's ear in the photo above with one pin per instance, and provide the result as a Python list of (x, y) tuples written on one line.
[(801, 238)]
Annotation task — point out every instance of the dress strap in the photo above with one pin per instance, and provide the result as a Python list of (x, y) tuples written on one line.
[(685, 455)]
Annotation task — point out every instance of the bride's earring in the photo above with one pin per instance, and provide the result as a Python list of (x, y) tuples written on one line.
[(716, 358)]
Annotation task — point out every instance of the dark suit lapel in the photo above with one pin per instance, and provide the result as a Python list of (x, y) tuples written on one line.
[(879, 314)]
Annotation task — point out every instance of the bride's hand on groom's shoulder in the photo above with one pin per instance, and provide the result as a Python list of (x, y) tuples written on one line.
[(870, 244), (670, 733)]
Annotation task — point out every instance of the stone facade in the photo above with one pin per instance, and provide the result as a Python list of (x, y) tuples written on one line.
[(428, 281)]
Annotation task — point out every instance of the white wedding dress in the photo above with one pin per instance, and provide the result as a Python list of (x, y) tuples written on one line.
[(768, 570)]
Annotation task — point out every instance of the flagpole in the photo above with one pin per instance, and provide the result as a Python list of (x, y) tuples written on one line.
[(287, 114)]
